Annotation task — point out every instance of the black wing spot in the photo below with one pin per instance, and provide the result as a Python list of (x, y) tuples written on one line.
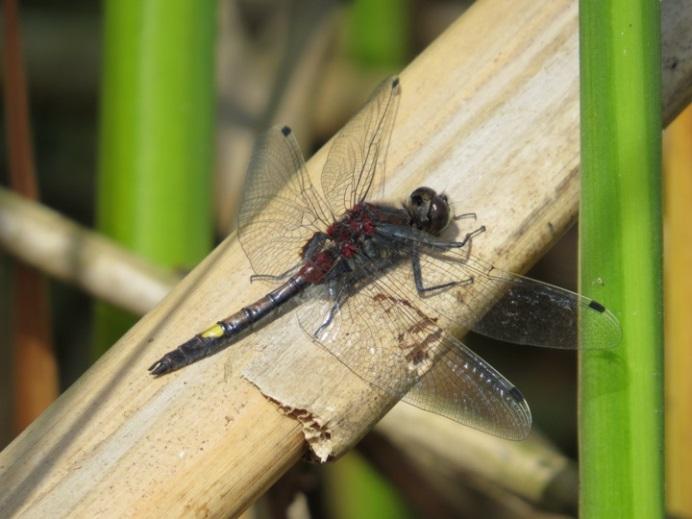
[(595, 305), (395, 82), (516, 394), (286, 131)]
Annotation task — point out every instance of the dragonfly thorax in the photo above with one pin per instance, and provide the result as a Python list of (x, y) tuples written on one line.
[(355, 227)]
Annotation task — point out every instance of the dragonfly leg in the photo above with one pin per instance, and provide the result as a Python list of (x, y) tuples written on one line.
[(413, 237), (327, 320), (443, 245), (418, 278), (469, 236), (272, 277), (464, 216), (333, 310)]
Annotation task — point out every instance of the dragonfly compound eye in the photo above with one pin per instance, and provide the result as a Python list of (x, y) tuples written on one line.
[(438, 215), (429, 211)]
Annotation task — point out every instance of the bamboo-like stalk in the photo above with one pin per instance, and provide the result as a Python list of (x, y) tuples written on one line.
[(621, 404), (74, 254), (531, 469), (488, 111)]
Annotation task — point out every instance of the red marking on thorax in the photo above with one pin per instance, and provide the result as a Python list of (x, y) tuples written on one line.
[(348, 234), (355, 225), (316, 268), (369, 227), (348, 250)]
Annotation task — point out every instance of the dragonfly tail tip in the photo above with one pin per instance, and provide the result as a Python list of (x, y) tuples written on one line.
[(160, 367)]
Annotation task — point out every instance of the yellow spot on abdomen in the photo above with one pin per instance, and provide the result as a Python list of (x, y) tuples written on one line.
[(213, 332)]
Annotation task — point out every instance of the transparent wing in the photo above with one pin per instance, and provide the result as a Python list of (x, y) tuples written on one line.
[(540, 314), (509, 307), (393, 343), (354, 169), (280, 208), (495, 303), (465, 388), (377, 324)]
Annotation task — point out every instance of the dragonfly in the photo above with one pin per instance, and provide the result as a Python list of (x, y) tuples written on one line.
[(381, 288)]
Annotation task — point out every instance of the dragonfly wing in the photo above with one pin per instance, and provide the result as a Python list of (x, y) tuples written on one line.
[(468, 390), (393, 343), (354, 169), (280, 209), (506, 306), (539, 314), (359, 328)]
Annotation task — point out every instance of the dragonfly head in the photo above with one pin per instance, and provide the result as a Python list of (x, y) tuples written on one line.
[(429, 210)]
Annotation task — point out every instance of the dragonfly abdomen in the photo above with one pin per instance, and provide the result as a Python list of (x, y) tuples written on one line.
[(221, 335)]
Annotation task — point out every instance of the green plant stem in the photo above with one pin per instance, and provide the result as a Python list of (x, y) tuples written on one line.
[(156, 156), (380, 30), (621, 448)]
